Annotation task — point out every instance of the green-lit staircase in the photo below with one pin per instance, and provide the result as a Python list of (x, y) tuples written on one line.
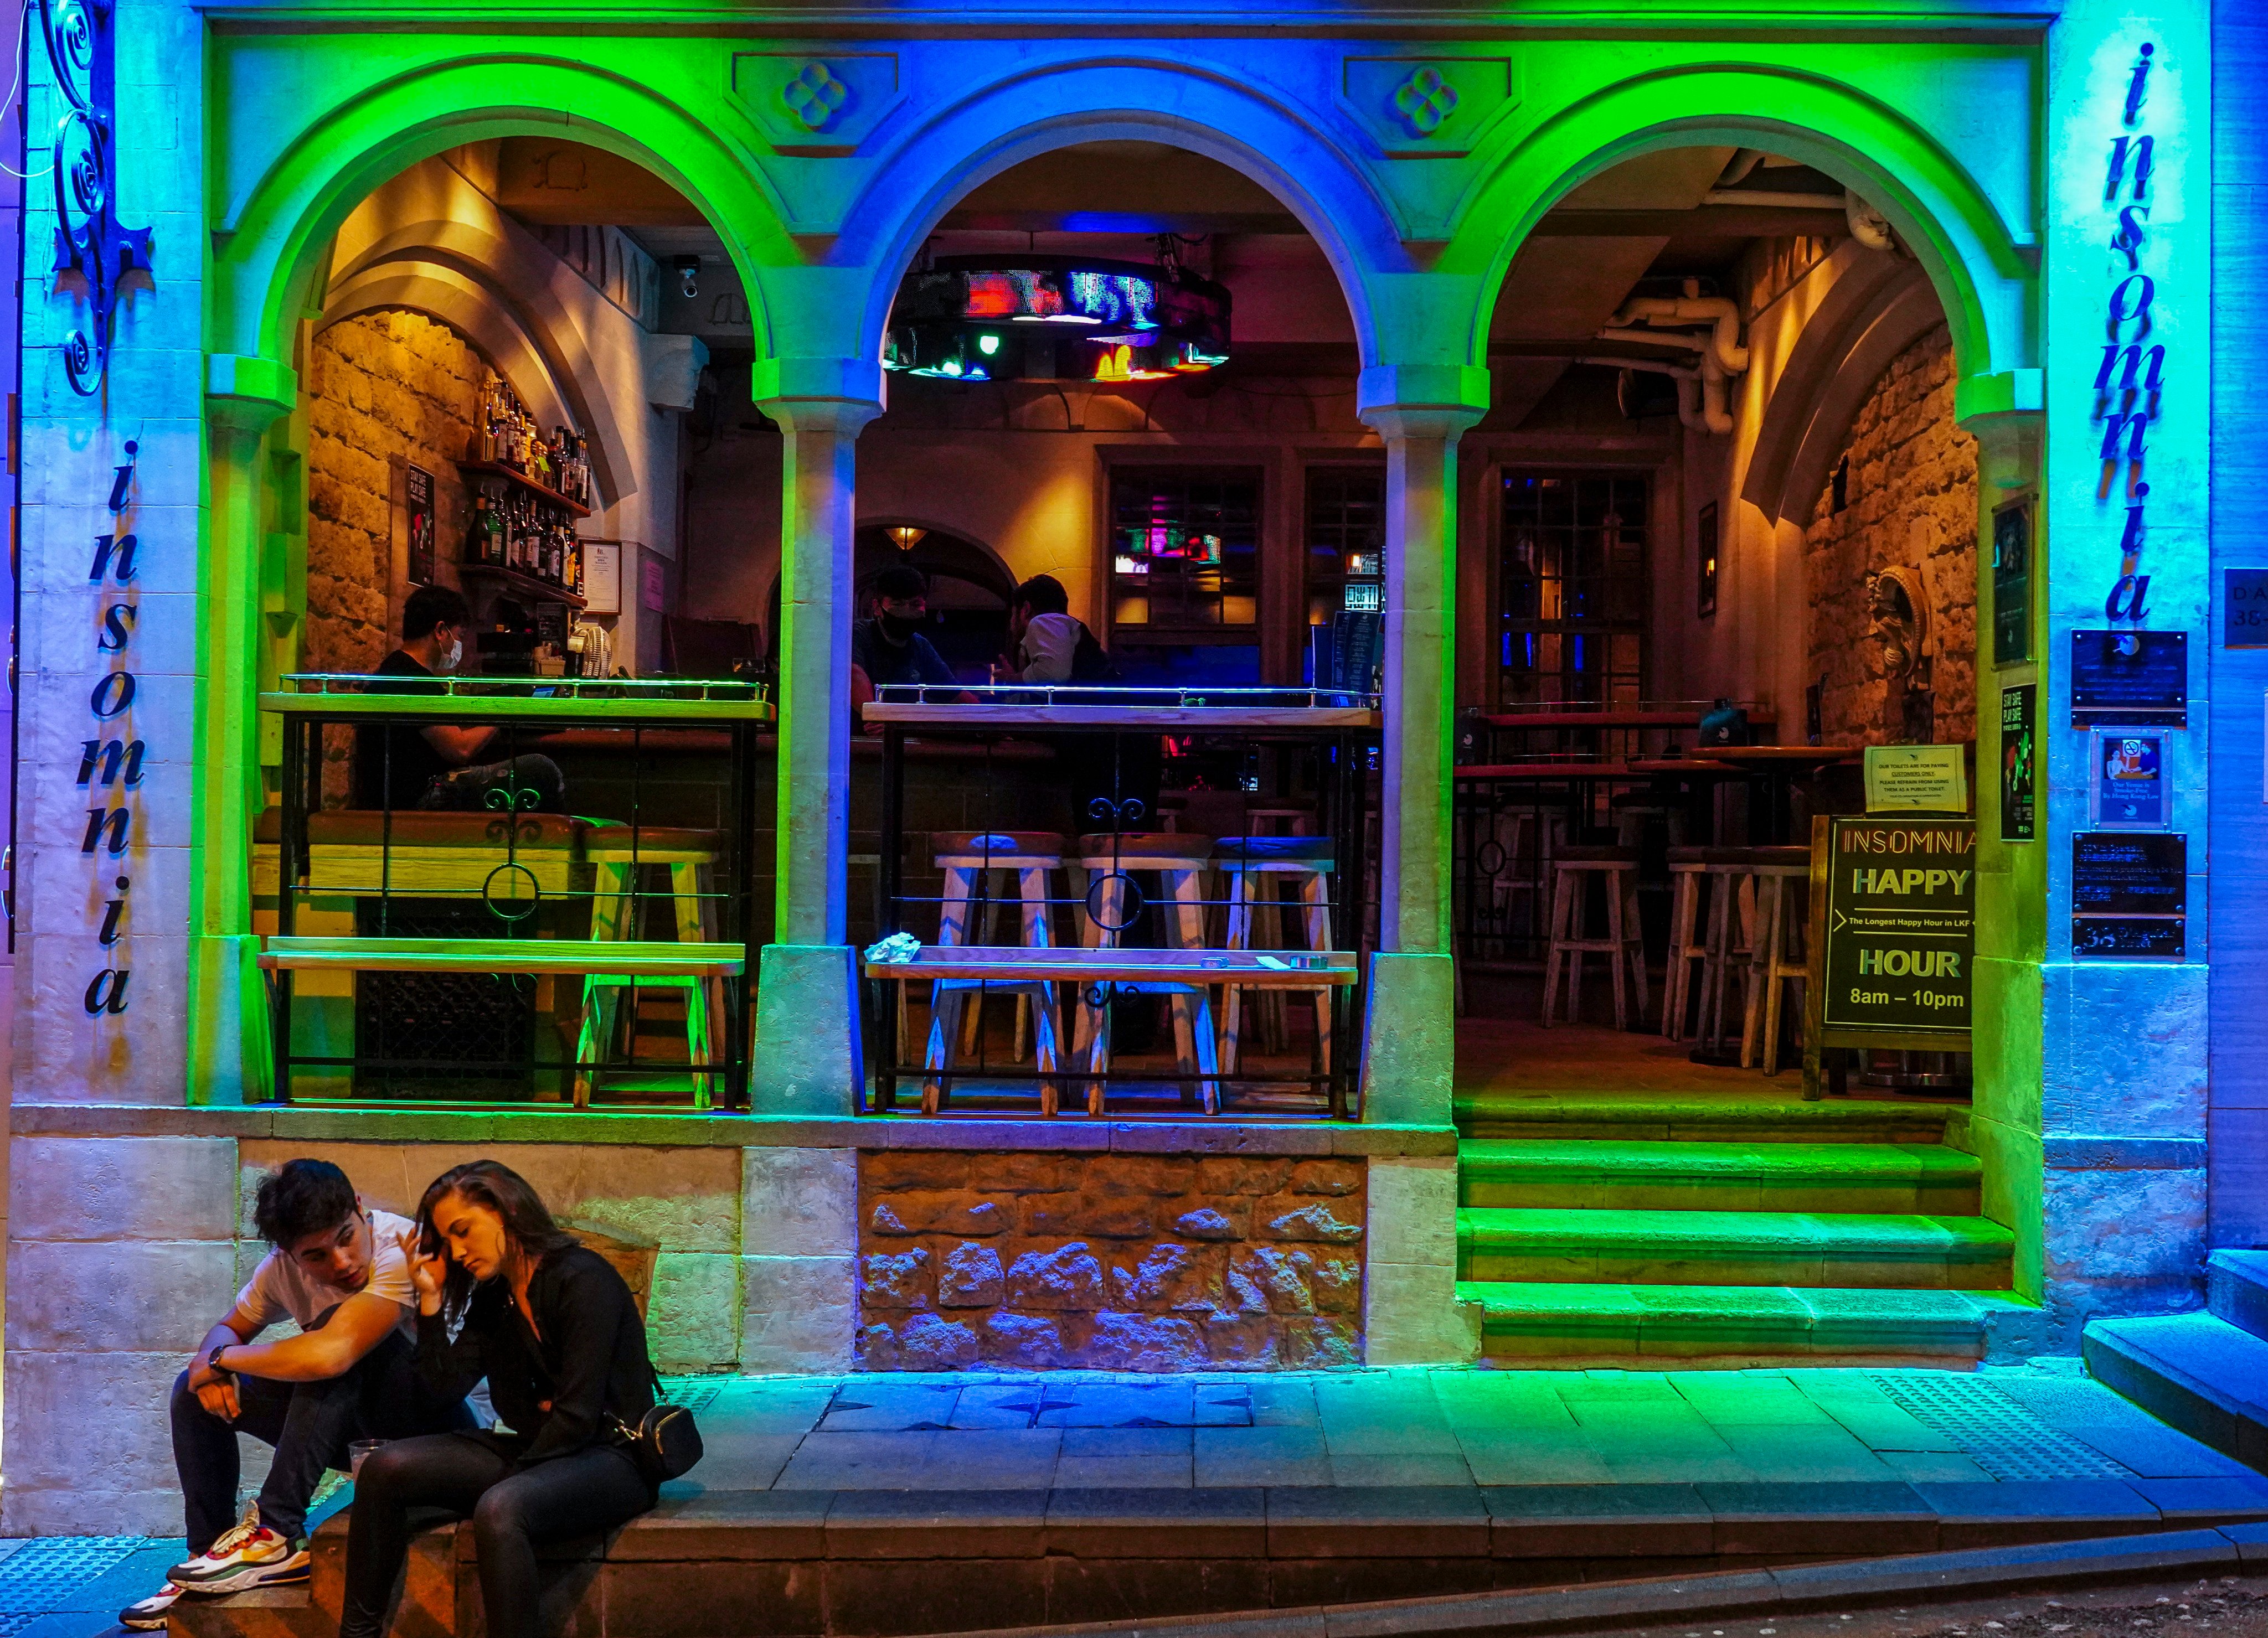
[(1603, 1228)]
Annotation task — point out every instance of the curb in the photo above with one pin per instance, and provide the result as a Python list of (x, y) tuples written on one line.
[(1980, 1571)]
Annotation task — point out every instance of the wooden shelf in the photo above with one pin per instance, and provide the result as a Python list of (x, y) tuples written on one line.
[(526, 586), (497, 469)]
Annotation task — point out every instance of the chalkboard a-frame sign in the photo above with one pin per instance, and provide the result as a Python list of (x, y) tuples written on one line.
[(1893, 935)]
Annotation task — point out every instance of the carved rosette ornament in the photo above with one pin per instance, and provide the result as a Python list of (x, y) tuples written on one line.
[(815, 96), (1424, 100), (90, 244)]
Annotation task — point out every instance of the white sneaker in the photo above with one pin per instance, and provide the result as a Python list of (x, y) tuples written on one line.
[(149, 1615), (247, 1555)]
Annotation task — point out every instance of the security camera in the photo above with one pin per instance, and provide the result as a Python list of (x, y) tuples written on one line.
[(689, 274)]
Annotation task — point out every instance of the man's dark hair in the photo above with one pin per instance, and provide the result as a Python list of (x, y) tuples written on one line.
[(300, 1198), (1045, 594), (900, 581), (433, 606)]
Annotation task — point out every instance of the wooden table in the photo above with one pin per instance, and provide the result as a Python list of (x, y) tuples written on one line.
[(1774, 767), (1340, 722)]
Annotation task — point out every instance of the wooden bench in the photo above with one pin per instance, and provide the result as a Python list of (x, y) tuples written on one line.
[(618, 957), (1192, 972)]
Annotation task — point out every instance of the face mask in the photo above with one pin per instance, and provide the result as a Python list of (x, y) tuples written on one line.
[(449, 661), (897, 629)]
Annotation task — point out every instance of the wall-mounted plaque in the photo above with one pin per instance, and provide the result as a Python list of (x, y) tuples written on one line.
[(2130, 679), (2126, 939), (2019, 734), (1899, 928), (2129, 875), (2244, 608), (2012, 582), (2130, 789)]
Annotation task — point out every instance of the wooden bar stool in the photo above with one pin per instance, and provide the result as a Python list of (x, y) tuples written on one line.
[(977, 865), (1704, 926), (616, 853), (1776, 945), (1570, 869), (1181, 859), (1250, 863), (1730, 889)]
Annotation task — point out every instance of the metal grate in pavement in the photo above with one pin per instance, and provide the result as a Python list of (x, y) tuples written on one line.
[(1998, 1434), (695, 1393), (39, 1576)]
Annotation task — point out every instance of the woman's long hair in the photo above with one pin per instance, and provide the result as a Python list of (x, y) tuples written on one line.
[(527, 1223)]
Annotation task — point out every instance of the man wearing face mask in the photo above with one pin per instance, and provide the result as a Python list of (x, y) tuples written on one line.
[(890, 646), (440, 766)]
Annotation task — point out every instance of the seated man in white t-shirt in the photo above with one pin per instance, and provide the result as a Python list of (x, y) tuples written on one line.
[(337, 1271), (1049, 643)]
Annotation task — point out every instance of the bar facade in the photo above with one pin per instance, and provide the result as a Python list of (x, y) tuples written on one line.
[(298, 221)]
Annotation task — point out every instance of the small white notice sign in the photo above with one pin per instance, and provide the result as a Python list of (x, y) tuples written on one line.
[(1917, 779)]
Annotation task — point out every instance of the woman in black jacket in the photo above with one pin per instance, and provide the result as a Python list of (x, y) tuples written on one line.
[(557, 1333)]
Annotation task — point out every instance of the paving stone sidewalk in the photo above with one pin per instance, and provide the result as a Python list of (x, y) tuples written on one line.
[(2040, 1429)]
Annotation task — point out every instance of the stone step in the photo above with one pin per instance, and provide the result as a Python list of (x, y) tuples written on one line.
[(1534, 1113), (2197, 1372), (1651, 1325), (1663, 1174), (1811, 1250), (270, 1613), (2237, 1289)]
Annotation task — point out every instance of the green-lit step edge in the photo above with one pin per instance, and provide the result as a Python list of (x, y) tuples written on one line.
[(1574, 1323), (1732, 1248), (1658, 1174), (1531, 1112)]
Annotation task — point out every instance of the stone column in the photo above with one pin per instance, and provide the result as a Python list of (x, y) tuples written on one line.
[(1408, 1047), (808, 1056), (231, 1059)]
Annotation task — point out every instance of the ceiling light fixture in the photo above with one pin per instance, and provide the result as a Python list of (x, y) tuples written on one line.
[(1055, 319), (906, 535)]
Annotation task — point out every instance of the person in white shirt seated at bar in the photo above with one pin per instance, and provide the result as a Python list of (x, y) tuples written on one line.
[(1048, 642)]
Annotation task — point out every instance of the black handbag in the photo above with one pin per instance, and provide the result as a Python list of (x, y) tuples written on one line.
[(666, 1444)]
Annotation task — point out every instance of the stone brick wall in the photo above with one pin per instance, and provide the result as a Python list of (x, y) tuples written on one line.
[(384, 388), (1122, 1262), (1911, 503)]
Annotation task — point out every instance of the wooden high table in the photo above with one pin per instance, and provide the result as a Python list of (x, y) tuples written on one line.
[(511, 858), (1342, 724)]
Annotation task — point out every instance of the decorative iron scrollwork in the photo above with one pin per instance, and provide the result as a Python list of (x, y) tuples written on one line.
[(90, 244)]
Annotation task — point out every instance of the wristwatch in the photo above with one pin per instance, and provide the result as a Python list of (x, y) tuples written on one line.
[(213, 1364)]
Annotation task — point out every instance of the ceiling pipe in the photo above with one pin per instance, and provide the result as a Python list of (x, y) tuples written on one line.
[(1869, 226), (1768, 200), (1737, 168), (1701, 397), (1720, 312)]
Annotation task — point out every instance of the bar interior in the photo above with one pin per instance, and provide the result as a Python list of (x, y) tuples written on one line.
[(1117, 801)]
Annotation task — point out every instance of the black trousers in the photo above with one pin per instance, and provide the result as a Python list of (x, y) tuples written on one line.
[(511, 1509), (310, 1424)]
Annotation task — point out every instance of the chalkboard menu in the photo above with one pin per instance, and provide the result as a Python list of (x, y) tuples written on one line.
[(2123, 874), (1898, 935), (2130, 679)]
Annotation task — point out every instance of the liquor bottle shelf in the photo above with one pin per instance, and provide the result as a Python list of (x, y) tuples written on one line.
[(497, 470), (526, 586)]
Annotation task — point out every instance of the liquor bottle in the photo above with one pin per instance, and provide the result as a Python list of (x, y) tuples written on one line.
[(480, 544), (575, 564)]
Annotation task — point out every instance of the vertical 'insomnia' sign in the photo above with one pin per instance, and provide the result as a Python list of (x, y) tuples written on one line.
[(110, 761)]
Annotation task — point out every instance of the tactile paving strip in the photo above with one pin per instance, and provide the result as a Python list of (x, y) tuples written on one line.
[(39, 1576), (1994, 1430)]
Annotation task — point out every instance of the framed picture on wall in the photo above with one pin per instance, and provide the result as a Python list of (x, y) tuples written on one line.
[(417, 496), (1705, 600)]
